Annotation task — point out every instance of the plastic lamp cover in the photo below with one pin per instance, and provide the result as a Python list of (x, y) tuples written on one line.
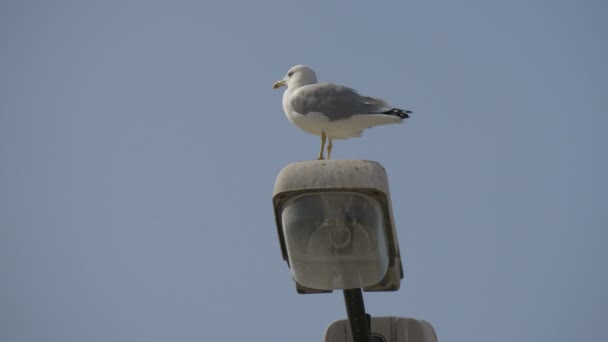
[(335, 240)]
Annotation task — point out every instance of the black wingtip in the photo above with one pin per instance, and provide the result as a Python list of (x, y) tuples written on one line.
[(402, 113)]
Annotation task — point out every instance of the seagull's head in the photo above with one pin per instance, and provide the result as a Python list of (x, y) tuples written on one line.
[(297, 76)]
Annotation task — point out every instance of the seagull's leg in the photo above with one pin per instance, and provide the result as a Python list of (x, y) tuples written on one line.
[(329, 146), (322, 146)]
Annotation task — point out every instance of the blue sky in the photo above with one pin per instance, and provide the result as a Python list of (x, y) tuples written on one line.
[(140, 141)]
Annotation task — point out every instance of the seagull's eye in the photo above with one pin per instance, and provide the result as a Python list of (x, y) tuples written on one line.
[(290, 73)]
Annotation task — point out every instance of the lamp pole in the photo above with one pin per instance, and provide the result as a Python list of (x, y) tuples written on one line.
[(358, 319)]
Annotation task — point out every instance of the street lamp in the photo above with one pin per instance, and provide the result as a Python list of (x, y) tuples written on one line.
[(336, 227), (336, 230)]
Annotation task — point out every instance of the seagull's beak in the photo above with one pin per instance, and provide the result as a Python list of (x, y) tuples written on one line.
[(278, 84)]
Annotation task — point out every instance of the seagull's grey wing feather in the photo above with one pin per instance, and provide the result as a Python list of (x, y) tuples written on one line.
[(334, 101)]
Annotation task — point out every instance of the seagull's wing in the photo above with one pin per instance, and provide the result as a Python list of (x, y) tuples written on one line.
[(335, 101)]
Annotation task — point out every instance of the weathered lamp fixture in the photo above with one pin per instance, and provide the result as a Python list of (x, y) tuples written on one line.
[(336, 227)]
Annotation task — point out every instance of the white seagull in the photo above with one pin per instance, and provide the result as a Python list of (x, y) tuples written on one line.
[(330, 110)]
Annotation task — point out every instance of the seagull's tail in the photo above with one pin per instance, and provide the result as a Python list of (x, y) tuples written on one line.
[(401, 113), (379, 106)]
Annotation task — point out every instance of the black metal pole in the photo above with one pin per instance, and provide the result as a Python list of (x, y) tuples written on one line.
[(358, 319)]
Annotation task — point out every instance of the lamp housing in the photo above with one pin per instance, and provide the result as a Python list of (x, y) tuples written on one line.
[(394, 329), (335, 226)]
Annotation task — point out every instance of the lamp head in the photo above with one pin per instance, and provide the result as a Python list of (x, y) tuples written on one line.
[(335, 226)]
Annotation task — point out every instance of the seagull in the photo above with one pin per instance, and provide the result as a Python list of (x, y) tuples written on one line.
[(332, 111)]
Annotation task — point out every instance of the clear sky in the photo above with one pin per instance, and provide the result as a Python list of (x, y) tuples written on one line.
[(140, 141)]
